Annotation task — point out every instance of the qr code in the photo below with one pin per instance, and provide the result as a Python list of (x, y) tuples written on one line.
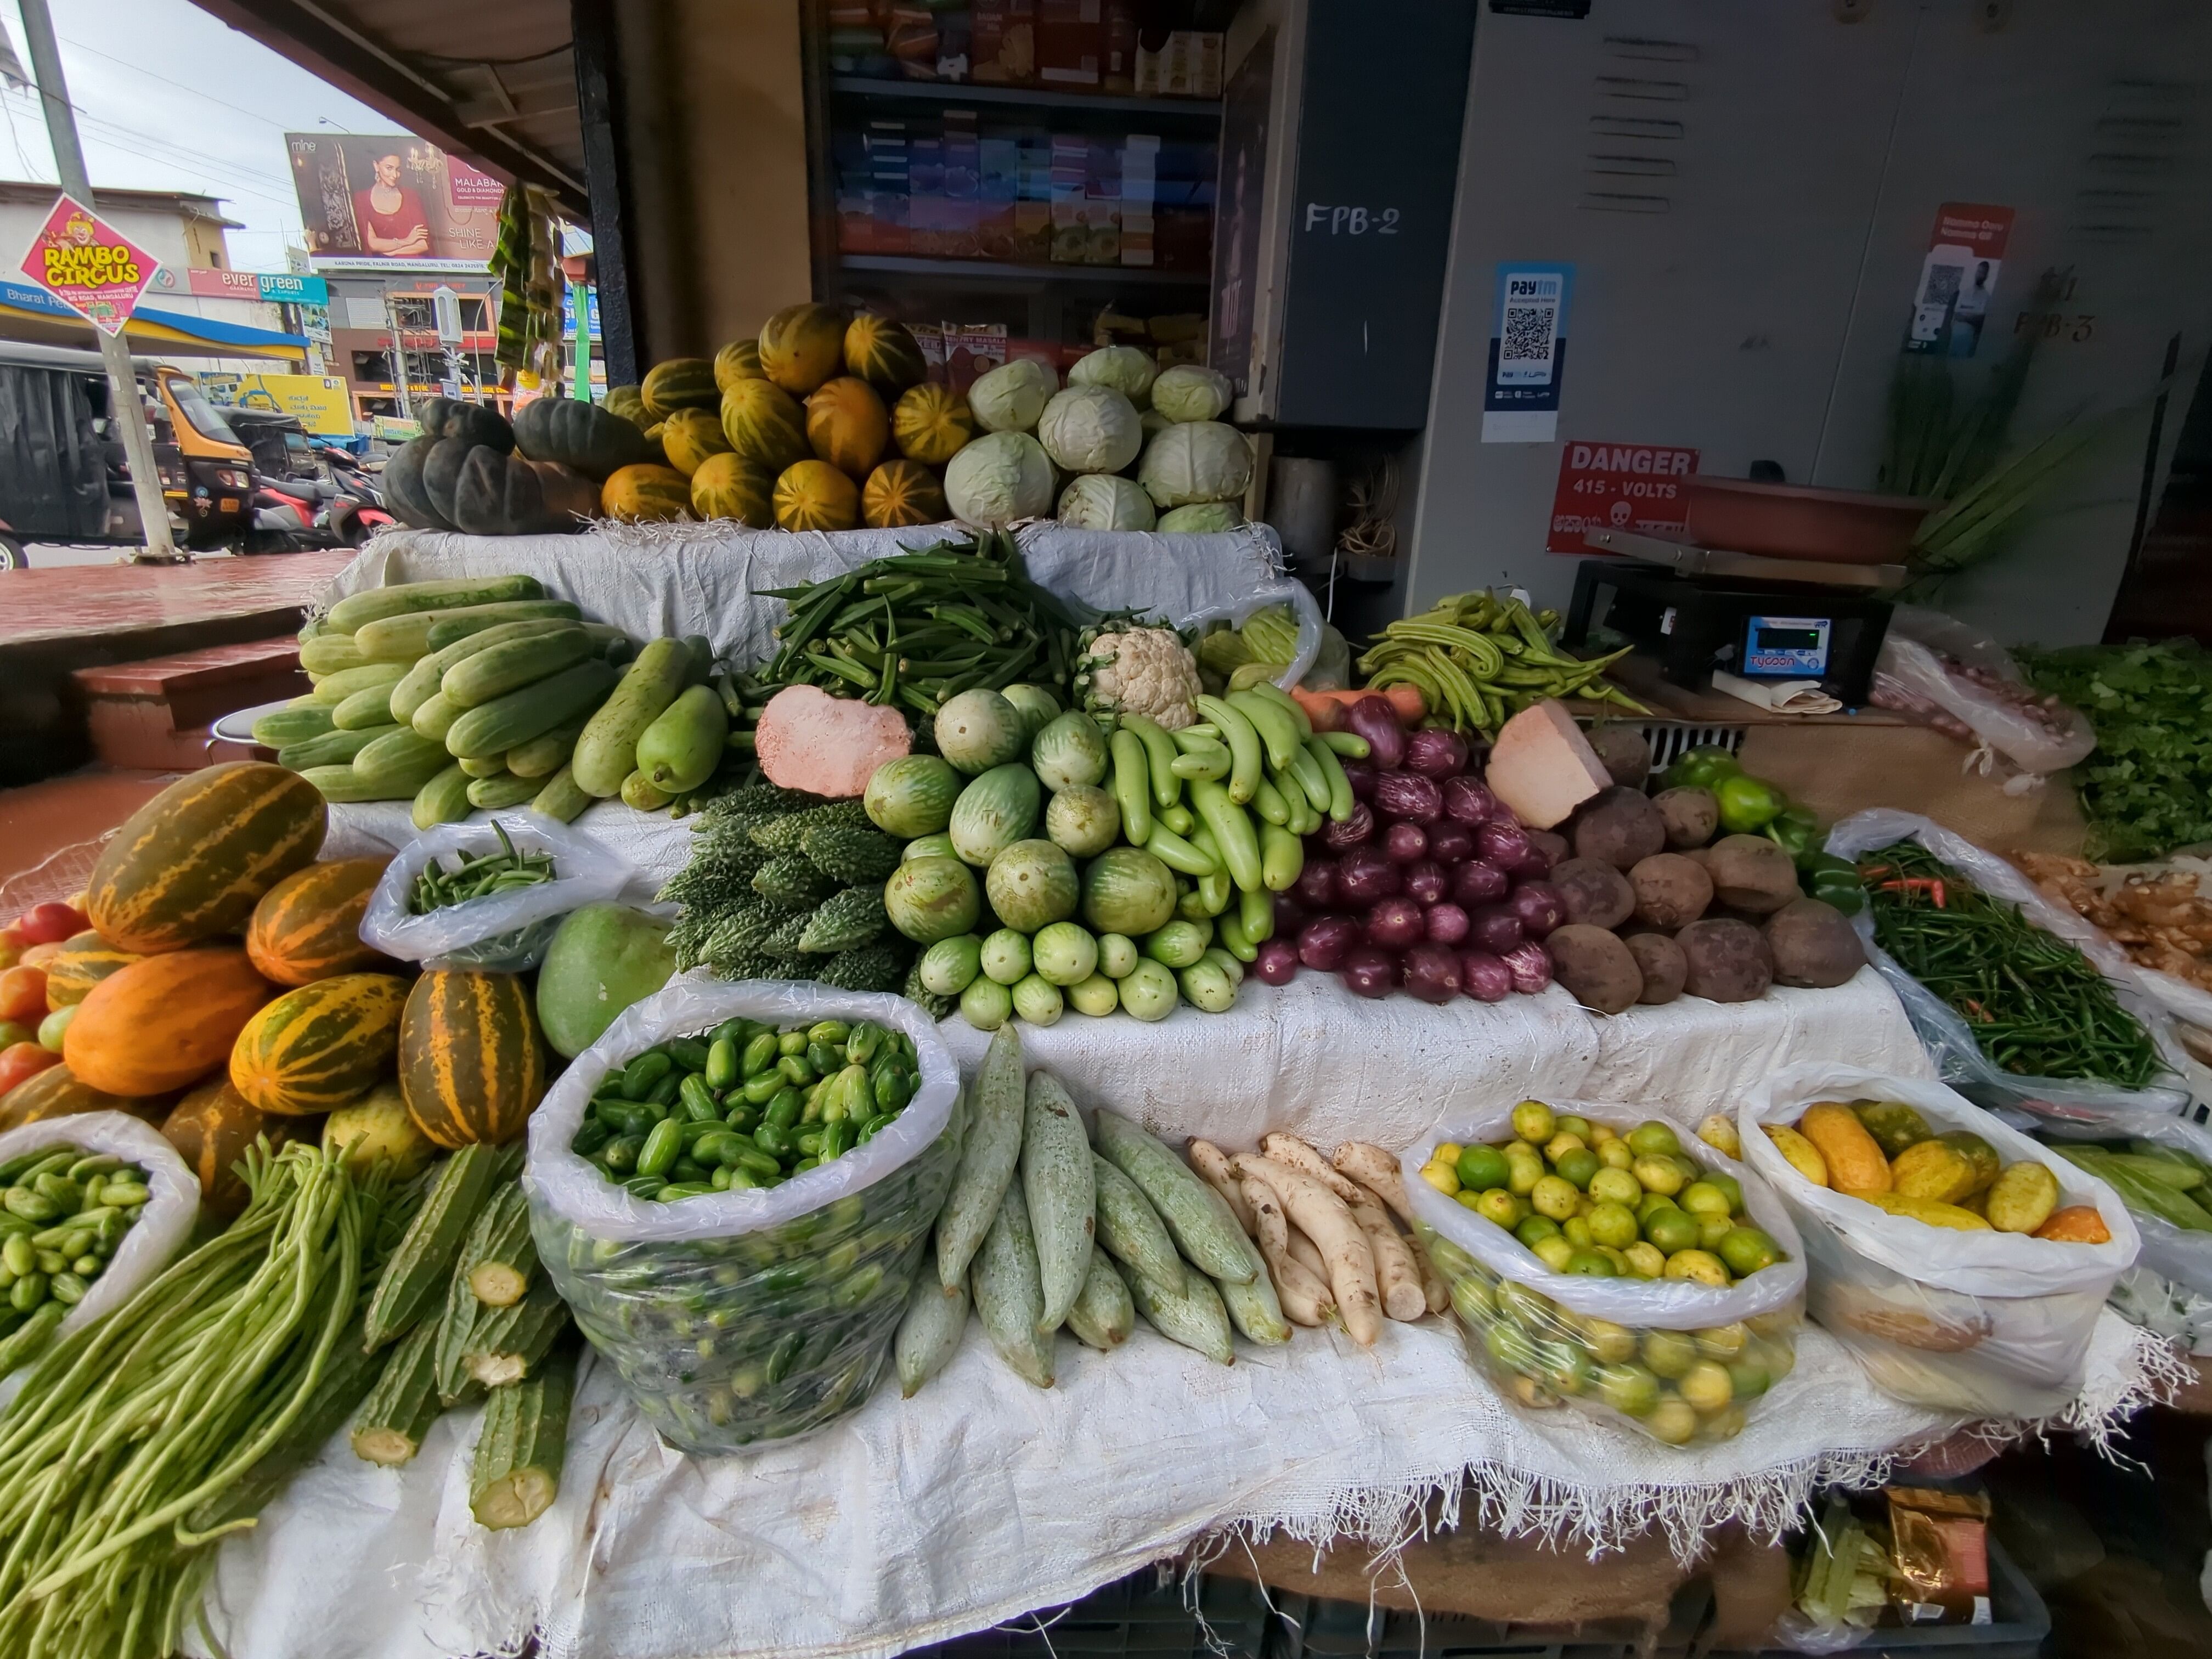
[(1942, 284), (1528, 334)]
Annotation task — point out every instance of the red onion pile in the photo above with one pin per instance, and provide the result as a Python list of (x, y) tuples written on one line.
[(1431, 884)]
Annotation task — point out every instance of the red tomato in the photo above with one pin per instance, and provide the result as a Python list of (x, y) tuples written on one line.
[(23, 1061), (51, 923), (23, 995)]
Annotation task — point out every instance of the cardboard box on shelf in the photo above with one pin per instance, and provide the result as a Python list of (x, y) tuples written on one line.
[(971, 351), (1118, 72), (1102, 203), (1186, 65), (1139, 169), (930, 337), (1033, 225), (997, 189), (1002, 48), (889, 183), (1071, 43), (1071, 162), (963, 170)]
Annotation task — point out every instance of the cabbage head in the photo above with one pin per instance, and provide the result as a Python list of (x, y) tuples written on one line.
[(1128, 369), (1000, 478), (1090, 428), (1099, 501), (1188, 393), (1011, 396), (1196, 461), (1201, 516)]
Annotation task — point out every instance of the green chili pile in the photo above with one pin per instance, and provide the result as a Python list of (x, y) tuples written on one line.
[(479, 876), (911, 631), (2037, 1006)]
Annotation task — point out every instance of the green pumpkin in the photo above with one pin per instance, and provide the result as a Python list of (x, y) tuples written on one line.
[(593, 440)]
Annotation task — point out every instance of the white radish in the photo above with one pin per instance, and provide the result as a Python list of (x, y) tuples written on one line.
[(1344, 1247), (1304, 1293), (1210, 1160), (1288, 1149), (1376, 1170), (1303, 1252), (1396, 1274)]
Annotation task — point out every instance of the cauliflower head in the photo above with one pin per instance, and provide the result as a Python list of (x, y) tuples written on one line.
[(1128, 668)]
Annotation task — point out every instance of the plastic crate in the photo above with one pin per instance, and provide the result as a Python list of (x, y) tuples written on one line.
[(1147, 1615), (2020, 1622), (1311, 1627)]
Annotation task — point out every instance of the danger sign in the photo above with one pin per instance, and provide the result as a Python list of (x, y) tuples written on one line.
[(1636, 487), (88, 265)]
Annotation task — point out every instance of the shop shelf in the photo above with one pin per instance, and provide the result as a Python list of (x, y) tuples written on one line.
[(1201, 110), (1143, 1616), (2020, 1622), (992, 270)]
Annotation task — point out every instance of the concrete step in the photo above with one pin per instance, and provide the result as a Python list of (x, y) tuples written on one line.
[(154, 715)]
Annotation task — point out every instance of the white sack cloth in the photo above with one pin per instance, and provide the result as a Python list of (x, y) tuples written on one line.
[(650, 579)]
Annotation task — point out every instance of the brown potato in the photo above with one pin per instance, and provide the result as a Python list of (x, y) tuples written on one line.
[(1623, 751), (1814, 945), (1621, 827), (1691, 816), (1662, 964), (1725, 961), (1671, 891), (1596, 894), (1595, 966), (1752, 874), (1553, 843)]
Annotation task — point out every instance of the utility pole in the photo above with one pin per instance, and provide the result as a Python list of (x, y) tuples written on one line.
[(124, 406)]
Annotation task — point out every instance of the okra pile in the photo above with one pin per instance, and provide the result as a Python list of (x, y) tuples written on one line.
[(63, 1213), (745, 1105)]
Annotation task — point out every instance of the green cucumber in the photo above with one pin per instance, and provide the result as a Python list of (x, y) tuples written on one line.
[(422, 680), (514, 664), (496, 727), (606, 752), (332, 748), (444, 799), (560, 799), (1008, 1297), (418, 633), (334, 689), (1102, 1315), (403, 1404), (435, 718), (294, 723), (420, 1268), (1059, 1186), (450, 627), (399, 763), (349, 614), (501, 791), (1204, 1231), (993, 1145), (930, 1333), (342, 783), (682, 747), (328, 654), (517, 1472), (371, 706), (483, 768), (546, 753)]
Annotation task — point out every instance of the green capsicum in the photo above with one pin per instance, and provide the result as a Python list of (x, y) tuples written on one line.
[(1796, 831), (1701, 768), (1832, 881), (1748, 805)]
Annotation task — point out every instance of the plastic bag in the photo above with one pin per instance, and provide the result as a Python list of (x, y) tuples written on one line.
[(1930, 661), (1284, 590), (751, 1316), (505, 932), (1603, 1345), (172, 1204), (2180, 1253), (1959, 1059), (1988, 1324)]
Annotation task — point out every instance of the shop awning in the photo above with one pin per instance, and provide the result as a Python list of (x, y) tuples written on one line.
[(493, 84), (33, 314)]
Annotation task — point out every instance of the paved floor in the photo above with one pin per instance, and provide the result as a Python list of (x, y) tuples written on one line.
[(41, 820)]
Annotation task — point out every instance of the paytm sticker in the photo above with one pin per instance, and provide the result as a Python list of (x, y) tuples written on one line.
[(1527, 354)]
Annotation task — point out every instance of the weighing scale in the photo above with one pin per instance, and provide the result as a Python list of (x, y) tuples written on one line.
[(1696, 609)]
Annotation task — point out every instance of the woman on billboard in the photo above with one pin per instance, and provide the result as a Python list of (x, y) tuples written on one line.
[(389, 216)]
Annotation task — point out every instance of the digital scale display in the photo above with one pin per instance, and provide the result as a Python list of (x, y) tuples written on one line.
[(1786, 648)]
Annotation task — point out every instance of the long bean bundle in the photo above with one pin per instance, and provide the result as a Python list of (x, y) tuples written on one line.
[(140, 1440), (1478, 660), (915, 628), (2036, 1006)]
